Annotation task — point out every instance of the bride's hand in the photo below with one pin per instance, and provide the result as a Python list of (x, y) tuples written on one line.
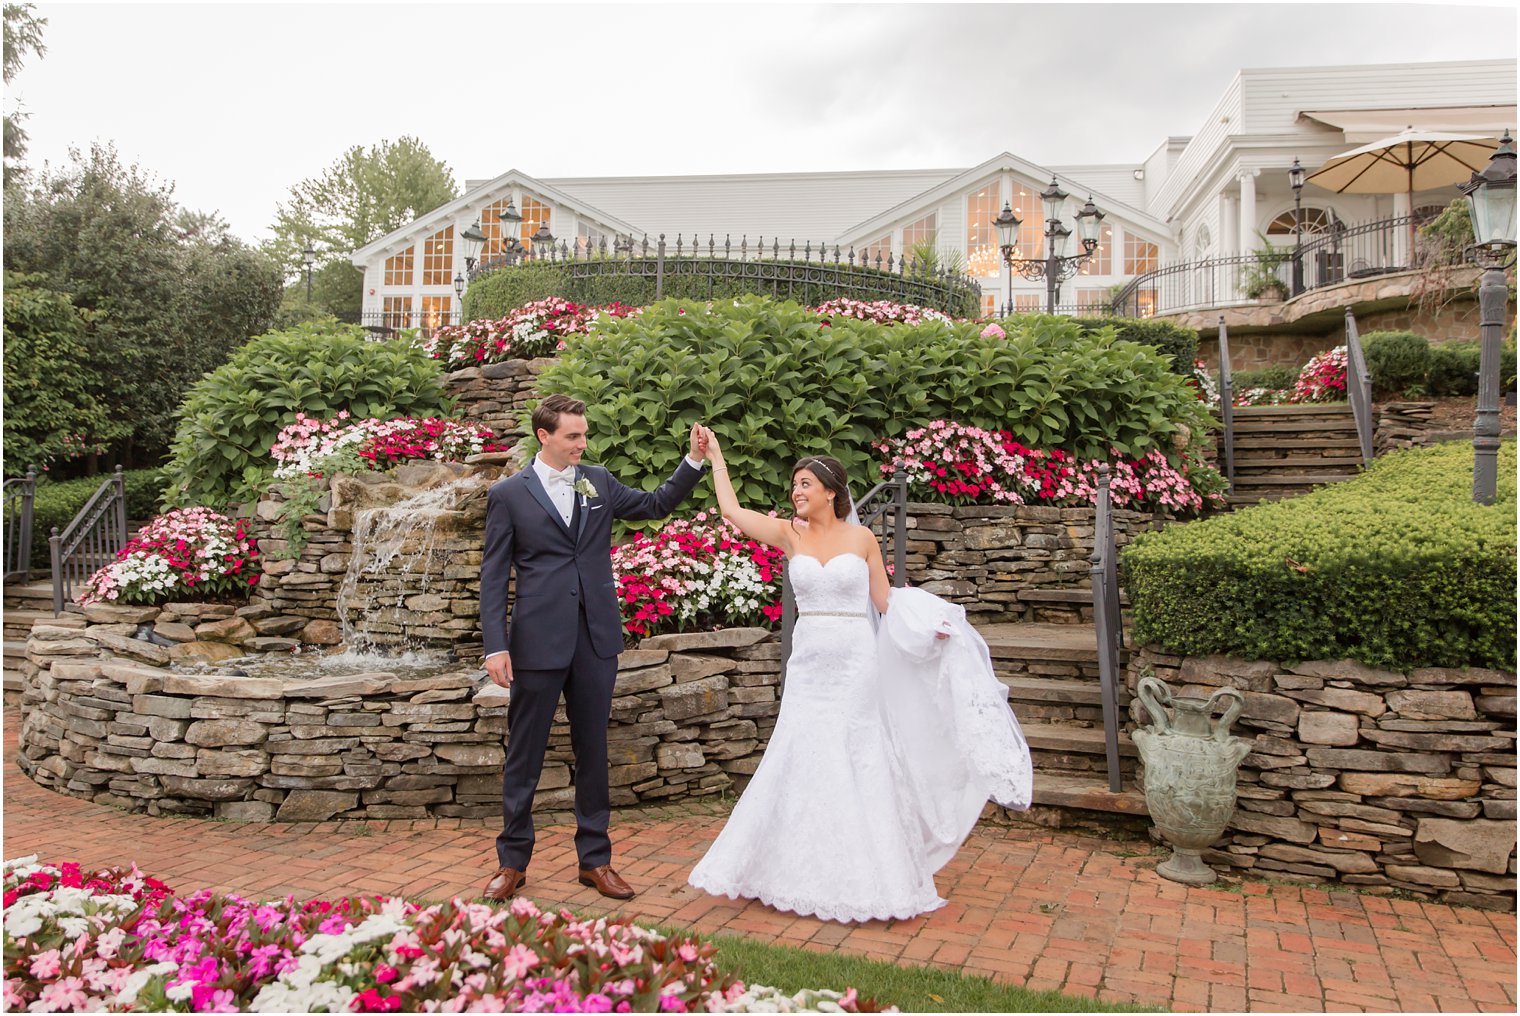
[(714, 448)]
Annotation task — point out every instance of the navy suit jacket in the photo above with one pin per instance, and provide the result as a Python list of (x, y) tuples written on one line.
[(559, 568)]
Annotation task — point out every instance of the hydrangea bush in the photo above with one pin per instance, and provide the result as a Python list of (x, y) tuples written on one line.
[(534, 329), (883, 312), (693, 573), (1323, 378), (117, 940), (953, 463), (188, 554)]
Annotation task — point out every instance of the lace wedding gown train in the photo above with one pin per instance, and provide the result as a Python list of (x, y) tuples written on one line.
[(825, 826)]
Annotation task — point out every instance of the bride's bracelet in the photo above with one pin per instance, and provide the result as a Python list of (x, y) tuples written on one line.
[(720, 469)]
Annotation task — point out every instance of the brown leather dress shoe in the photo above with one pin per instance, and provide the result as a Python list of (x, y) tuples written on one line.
[(607, 882), (504, 884)]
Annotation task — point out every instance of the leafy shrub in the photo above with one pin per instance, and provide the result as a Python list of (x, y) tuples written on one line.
[(1277, 377), (687, 279), (1396, 568), (1396, 361), (1454, 368), (234, 414), (1171, 340), (775, 382), (57, 503)]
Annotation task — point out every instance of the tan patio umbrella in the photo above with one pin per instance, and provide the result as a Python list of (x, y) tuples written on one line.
[(1410, 161)]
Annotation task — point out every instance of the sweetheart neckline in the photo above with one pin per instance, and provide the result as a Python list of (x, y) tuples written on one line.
[(836, 557)]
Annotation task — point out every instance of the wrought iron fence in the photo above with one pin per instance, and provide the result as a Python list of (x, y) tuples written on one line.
[(780, 270), (91, 541), (20, 492), (1339, 254)]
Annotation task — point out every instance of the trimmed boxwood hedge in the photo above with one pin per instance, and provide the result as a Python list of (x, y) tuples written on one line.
[(56, 504), (502, 291), (1396, 568)]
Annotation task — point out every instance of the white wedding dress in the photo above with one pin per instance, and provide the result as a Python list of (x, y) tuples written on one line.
[(885, 750)]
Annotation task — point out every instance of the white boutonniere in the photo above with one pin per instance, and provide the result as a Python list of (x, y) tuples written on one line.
[(586, 489)]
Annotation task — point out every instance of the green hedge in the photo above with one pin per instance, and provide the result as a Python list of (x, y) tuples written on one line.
[(776, 383), (56, 504), (1397, 362), (232, 416), (1396, 568), (1454, 368), (1277, 377), (509, 288), (1171, 340)]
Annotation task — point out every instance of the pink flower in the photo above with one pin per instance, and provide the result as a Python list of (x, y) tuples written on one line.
[(44, 965), (518, 961)]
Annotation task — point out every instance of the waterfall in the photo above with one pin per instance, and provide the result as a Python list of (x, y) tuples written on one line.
[(392, 567)]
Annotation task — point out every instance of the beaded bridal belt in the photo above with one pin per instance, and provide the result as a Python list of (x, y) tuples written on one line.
[(831, 613)]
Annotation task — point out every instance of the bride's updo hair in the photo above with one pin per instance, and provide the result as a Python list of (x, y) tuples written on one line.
[(830, 473)]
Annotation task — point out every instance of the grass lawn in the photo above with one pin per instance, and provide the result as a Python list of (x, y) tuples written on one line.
[(912, 989)]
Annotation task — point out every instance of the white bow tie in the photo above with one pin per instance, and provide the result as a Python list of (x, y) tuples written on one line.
[(561, 476)]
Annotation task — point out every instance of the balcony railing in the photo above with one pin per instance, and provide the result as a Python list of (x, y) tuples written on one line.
[(1340, 254)]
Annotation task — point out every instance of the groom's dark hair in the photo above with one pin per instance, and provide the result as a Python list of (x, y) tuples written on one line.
[(546, 416)]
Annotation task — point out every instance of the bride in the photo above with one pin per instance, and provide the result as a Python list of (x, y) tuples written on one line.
[(888, 743)]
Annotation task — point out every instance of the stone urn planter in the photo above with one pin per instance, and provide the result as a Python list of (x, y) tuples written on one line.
[(1190, 762)]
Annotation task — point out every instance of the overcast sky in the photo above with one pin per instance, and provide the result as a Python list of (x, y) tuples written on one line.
[(235, 103)]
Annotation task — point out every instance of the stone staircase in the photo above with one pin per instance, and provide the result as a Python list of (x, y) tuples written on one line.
[(1284, 451), (1051, 672), (25, 604)]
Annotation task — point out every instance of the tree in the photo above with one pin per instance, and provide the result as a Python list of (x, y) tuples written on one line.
[(55, 395), (362, 196), (170, 307), (23, 35)]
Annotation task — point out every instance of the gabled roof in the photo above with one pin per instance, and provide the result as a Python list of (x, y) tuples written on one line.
[(874, 226), (478, 197)]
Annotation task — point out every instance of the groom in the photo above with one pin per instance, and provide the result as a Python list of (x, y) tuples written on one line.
[(552, 521)]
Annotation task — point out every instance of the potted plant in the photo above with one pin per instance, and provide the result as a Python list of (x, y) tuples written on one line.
[(1262, 278)]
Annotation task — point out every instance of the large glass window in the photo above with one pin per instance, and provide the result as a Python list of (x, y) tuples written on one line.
[(1140, 255), (1316, 220), (398, 312), (1028, 303), (436, 312), (589, 238), (1031, 212), (924, 232), (438, 258), (398, 267), (877, 253), (982, 257), (534, 214), (491, 227), (1092, 300)]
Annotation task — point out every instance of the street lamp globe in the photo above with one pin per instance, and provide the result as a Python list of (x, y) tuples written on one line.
[(1296, 176), (459, 286), (543, 240), (1055, 200), (1089, 221), (1491, 198), (473, 239), (1059, 234), (1007, 226)]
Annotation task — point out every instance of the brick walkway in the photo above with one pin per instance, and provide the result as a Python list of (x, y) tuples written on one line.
[(1081, 915)]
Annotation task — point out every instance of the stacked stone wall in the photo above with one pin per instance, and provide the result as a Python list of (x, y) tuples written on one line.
[(1365, 776), (104, 718), (496, 395)]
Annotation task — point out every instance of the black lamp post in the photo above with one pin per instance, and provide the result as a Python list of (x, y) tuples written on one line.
[(473, 240), (1491, 200), (308, 258), (511, 225), (543, 241), (1056, 267), (459, 286), (1296, 180)]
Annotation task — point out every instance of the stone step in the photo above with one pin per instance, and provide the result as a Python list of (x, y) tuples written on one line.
[(1054, 689), (1256, 442), (1089, 792), (1081, 596), (1055, 737), (1332, 429), (1245, 500), (1328, 409), (34, 595), (1074, 643), (1296, 461), (1292, 480)]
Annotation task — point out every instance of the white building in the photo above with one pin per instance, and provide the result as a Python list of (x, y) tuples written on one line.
[(1204, 196)]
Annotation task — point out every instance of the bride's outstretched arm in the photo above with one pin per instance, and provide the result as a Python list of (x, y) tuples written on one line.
[(767, 529)]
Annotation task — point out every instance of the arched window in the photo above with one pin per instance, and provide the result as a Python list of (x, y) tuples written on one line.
[(1316, 220), (1202, 242)]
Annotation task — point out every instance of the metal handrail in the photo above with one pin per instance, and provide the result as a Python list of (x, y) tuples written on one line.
[(1227, 403), (890, 497), (1359, 388), (20, 496), (1329, 258), (91, 540), (1107, 621)]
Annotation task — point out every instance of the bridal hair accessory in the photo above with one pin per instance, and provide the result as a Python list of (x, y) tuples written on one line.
[(826, 468)]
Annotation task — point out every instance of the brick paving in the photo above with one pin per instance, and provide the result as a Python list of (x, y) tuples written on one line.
[(1049, 910)]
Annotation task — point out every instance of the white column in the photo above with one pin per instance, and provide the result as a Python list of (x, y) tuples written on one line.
[(1229, 227), (1247, 236), (1401, 208)]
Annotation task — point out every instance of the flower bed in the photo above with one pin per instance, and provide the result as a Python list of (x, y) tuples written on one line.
[(1323, 378), (117, 940), (951, 463), (687, 574), (312, 447), (188, 554), (534, 329), (883, 312)]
